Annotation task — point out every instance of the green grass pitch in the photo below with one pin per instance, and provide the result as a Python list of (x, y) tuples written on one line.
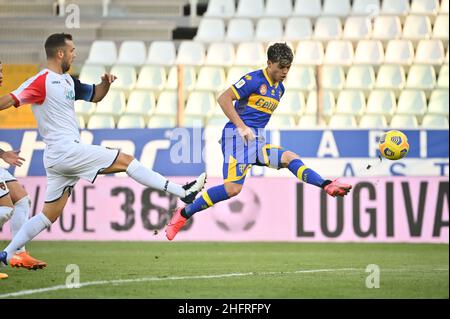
[(231, 270)]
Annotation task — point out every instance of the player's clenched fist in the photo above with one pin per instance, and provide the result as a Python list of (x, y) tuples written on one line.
[(108, 78)]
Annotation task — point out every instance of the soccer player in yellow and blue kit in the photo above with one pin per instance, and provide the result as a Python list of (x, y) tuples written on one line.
[(257, 95)]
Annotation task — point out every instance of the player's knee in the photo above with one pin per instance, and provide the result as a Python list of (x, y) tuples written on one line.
[(125, 158), (233, 189), (289, 156)]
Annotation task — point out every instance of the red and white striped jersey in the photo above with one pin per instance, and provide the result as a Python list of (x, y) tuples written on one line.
[(52, 98)]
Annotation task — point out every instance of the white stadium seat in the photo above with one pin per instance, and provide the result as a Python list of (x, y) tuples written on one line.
[(309, 121), (81, 122), (309, 53), (387, 28), (412, 102), (342, 121), (200, 104), (434, 121), (161, 121), (328, 28), (188, 81), (132, 53), (439, 102), (126, 78), (369, 52), (366, 7), (100, 121), (210, 30), (220, 54), (333, 78), (382, 102), (421, 77), (351, 102), (250, 54), (278, 8), (328, 104), (361, 77), (167, 104), (235, 73), (440, 29), (130, 121), (336, 8), (373, 121), (191, 53), (399, 52), (161, 53), (141, 103), (398, 7), (417, 28), (430, 52), (301, 78), (84, 109), (102, 52), (292, 103), (220, 8), (391, 77), (91, 74), (425, 7), (444, 7), (307, 8), (152, 77), (240, 30), (357, 28), (269, 29), (339, 52), (298, 28), (442, 82), (113, 103), (210, 78), (281, 121), (404, 121), (250, 8)]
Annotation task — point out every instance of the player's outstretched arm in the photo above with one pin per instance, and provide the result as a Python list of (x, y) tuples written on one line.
[(102, 89), (6, 101)]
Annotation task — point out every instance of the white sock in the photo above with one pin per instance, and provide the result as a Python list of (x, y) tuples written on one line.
[(29, 230), (150, 178), (20, 216)]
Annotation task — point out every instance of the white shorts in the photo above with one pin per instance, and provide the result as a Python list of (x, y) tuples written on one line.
[(84, 161), (5, 177)]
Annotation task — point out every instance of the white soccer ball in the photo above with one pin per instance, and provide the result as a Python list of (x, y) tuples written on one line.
[(238, 213)]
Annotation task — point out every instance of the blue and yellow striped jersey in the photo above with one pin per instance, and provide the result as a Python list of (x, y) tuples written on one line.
[(257, 99)]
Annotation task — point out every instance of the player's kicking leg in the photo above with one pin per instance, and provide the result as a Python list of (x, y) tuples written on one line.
[(146, 176)]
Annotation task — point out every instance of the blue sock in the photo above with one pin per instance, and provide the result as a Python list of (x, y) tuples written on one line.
[(209, 198), (304, 173)]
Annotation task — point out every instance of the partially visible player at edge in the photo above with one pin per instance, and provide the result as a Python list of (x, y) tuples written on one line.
[(258, 94), (52, 94), (14, 205)]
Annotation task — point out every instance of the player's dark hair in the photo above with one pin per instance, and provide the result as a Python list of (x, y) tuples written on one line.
[(56, 42), (280, 52)]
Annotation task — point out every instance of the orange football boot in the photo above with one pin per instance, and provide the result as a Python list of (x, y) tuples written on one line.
[(176, 223), (24, 260)]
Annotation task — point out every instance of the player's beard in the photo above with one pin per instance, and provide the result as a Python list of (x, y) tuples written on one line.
[(65, 66)]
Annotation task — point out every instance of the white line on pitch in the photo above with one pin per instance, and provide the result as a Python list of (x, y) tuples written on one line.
[(126, 281)]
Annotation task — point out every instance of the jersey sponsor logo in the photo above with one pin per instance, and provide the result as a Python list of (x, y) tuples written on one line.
[(240, 84), (70, 95), (248, 77), (56, 82), (263, 89), (272, 92), (242, 168)]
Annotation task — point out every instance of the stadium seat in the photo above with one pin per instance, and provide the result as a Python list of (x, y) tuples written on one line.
[(336, 8), (351, 102), (298, 29), (131, 121), (421, 77), (440, 29), (399, 52), (217, 119), (425, 7), (126, 78), (100, 121), (132, 53), (444, 7), (391, 77), (91, 74), (433, 121), (191, 53), (235, 73), (328, 28), (386, 28), (339, 53), (280, 122), (309, 121), (416, 28), (81, 122), (161, 53), (278, 8), (210, 30), (161, 121), (152, 77), (200, 104), (342, 121), (398, 7), (404, 121), (373, 121), (357, 28), (361, 77), (382, 102), (307, 8), (167, 104), (333, 78), (250, 54), (250, 8), (240, 30), (112, 104), (442, 82), (220, 8), (301, 78), (439, 102), (211, 78), (369, 52), (220, 54), (430, 52), (269, 29), (292, 103), (84, 109), (309, 53), (366, 7), (412, 102), (102, 52), (141, 103), (189, 78), (194, 121), (328, 104)]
